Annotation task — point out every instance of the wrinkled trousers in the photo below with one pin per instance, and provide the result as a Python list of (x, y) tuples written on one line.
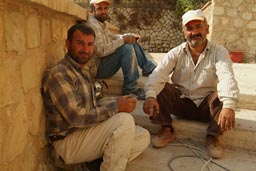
[(128, 57), (118, 140), (170, 102)]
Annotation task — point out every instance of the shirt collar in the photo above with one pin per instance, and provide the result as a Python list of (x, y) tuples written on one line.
[(72, 61), (76, 65)]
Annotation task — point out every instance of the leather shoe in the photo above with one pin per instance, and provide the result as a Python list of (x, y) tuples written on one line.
[(214, 148), (165, 137)]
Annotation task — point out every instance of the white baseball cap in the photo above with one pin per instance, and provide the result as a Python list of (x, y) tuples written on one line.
[(99, 1), (192, 15)]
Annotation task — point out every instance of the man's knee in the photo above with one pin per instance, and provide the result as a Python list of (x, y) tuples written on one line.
[(127, 50), (143, 136), (127, 47), (125, 118)]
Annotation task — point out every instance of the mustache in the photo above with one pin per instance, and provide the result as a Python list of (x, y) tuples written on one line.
[(83, 53), (195, 35)]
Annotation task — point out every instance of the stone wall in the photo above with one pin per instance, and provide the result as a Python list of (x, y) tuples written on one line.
[(155, 21), (233, 24), (158, 27), (32, 34)]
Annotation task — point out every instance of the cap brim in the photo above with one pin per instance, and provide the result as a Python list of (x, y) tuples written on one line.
[(191, 19), (99, 1)]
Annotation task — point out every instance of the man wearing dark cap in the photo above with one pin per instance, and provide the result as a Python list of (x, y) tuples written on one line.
[(202, 86), (113, 52)]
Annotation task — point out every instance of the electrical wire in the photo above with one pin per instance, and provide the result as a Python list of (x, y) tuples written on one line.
[(198, 153)]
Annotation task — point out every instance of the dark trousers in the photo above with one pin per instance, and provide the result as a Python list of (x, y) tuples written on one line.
[(170, 103)]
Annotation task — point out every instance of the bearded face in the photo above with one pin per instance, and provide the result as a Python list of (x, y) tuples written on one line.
[(100, 11), (81, 47), (195, 32)]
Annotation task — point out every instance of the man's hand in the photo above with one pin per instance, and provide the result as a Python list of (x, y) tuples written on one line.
[(151, 106), (126, 104), (226, 119), (130, 38)]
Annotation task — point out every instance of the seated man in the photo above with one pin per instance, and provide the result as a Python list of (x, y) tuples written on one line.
[(79, 129), (202, 86), (115, 51)]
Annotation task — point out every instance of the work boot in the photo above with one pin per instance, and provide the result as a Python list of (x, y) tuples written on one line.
[(166, 136), (214, 148)]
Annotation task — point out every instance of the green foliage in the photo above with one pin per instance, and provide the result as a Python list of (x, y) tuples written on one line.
[(183, 6)]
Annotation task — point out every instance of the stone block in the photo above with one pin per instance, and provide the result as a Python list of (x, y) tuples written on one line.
[(65, 26), (55, 29), (46, 31), (15, 31), (232, 12), (239, 23), (218, 10), (16, 131), (247, 15), (238, 3), (33, 31), (1, 32), (10, 82), (55, 51), (252, 41), (31, 70), (64, 6), (224, 21), (36, 115), (29, 74), (252, 25), (253, 6)]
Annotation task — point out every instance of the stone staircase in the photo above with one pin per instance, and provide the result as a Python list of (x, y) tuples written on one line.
[(239, 141)]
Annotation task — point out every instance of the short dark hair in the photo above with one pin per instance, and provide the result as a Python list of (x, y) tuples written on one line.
[(81, 27), (91, 6)]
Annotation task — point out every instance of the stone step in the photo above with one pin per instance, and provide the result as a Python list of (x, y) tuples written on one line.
[(180, 157), (243, 136), (239, 145), (244, 74)]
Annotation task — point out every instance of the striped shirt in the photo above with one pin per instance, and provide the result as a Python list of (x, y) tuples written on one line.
[(69, 99), (213, 72)]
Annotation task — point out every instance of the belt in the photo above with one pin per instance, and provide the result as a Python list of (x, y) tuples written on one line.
[(56, 137)]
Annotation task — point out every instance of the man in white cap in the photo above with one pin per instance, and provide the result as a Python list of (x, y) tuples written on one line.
[(202, 86), (113, 52)]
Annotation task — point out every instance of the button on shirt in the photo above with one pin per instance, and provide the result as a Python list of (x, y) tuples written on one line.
[(212, 72), (69, 99)]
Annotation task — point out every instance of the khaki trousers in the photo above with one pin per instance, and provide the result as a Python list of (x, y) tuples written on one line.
[(117, 140)]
